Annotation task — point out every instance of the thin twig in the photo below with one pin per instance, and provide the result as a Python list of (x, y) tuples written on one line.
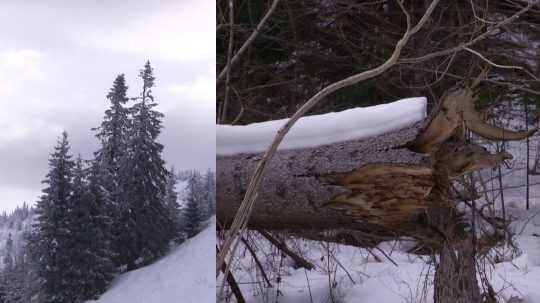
[(472, 51), (254, 255), (281, 245)]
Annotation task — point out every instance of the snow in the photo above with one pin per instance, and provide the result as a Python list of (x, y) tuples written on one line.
[(381, 281), (186, 275), (316, 130)]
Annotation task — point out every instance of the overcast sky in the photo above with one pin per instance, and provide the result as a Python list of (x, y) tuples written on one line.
[(58, 60)]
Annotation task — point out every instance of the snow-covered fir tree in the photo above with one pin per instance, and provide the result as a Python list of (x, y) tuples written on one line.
[(193, 213), (17, 273), (15, 281), (52, 231), (145, 225), (112, 132), (210, 193), (2, 287), (89, 249), (113, 136), (8, 257), (171, 201)]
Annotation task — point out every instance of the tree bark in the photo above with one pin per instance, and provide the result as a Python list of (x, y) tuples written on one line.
[(295, 189), (455, 274)]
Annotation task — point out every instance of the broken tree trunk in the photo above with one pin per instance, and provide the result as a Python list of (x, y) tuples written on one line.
[(295, 190), (455, 274)]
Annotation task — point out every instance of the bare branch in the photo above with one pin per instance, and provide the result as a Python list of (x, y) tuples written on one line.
[(224, 105), (498, 65), (247, 43), (299, 261), (462, 46)]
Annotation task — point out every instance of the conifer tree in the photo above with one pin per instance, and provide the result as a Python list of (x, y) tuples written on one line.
[(8, 258), (210, 193), (52, 229), (145, 226), (6, 274), (113, 130), (89, 253), (171, 201), (193, 212), (113, 135), (15, 281), (2, 287)]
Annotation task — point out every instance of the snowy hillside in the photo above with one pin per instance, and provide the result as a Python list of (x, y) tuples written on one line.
[(185, 275), (16, 224)]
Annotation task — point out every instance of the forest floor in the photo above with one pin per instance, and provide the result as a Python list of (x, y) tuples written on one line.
[(356, 275)]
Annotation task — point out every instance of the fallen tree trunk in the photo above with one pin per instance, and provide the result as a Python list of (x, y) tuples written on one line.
[(294, 190), (375, 184)]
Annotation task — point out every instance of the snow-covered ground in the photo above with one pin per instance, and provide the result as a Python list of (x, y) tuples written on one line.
[(186, 275), (410, 281), (356, 123)]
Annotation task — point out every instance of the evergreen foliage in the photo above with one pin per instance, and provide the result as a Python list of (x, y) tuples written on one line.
[(146, 226), (195, 203), (52, 230)]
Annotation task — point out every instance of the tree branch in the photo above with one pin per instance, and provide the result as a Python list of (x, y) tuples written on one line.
[(248, 42), (462, 46)]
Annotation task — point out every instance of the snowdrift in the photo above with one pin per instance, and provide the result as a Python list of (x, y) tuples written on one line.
[(316, 130), (186, 275)]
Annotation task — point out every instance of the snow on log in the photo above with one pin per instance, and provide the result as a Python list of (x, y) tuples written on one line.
[(294, 191), (317, 130)]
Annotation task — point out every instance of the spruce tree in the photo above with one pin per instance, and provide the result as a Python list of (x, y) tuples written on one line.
[(210, 193), (113, 135), (89, 252), (15, 281), (6, 274), (113, 130), (8, 257), (52, 229), (3, 283), (193, 212), (145, 225), (171, 201)]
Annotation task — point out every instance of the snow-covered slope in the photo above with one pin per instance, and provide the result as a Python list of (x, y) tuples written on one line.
[(186, 275), (15, 226), (310, 131)]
